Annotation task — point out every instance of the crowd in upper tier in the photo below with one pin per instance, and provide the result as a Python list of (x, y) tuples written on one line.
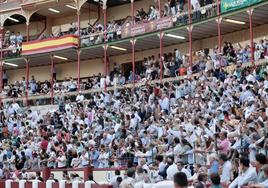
[(174, 64), (94, 34)]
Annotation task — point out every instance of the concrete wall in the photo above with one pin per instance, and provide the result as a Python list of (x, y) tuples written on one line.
[(88, 68), (35, 28)]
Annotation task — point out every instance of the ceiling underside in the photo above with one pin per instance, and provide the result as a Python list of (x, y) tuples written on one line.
[(151, 41)]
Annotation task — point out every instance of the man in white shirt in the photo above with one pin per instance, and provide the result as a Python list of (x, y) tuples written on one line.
[(226, 167), (102, 82), (177, 148), (161, 166), (172, 169), (164, 103), (195, 4), (247, 173), (182, 169), (129, 181), (113, 181), (80, 98)]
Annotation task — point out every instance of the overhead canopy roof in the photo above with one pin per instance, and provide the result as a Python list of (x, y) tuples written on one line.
[(202, 30), (112, 3)]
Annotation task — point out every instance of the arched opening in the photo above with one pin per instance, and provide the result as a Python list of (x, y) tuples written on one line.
[(14, 25)]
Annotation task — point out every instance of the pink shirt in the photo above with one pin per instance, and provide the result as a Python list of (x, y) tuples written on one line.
[(225, 145)]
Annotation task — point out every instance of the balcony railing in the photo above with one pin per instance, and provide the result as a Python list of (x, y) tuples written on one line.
[(146, 27), (45, 99), (25, 2)]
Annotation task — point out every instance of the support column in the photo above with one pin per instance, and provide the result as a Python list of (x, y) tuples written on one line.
[(2, 35), (252, 47), (52, 80), (1, 67), (161, 44), (27, 61), (78, 51), (105, 48), (1, 57), (28, 31), (161, 58), (87, 171), (1, 77), (27, 64), (218, 20), (190, 28), (46, 173), (133, 42), (132, 12)]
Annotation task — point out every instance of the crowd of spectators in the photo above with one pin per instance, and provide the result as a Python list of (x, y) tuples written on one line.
[(12, 43), (211, 127), (174, 64)]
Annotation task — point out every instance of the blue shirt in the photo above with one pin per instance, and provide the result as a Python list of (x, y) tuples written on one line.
[(214, 168)]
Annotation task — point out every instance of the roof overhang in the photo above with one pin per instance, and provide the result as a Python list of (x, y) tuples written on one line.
[(202, 30)]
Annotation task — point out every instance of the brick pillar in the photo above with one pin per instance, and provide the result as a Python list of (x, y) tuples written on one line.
[(46, 173), (87, 170)]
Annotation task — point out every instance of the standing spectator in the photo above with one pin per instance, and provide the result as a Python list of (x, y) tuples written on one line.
[(19, 38), (224, 144), (61, 160), (5, 77)]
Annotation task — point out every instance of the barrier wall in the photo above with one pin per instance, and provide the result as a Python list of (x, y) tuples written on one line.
[(49, 184), (101, 175)]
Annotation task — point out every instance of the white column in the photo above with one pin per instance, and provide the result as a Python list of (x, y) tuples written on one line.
[(49, 183), (62, 183), (8, 183), (88, 184), (35, 183), (75, 184), (22, 183)]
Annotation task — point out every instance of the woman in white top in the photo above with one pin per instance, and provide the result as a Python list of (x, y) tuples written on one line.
[(76, 161), (62, 160), (103, 158)]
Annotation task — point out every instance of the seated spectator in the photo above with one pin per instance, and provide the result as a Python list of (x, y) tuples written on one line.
[(263, 184), (248, 174)]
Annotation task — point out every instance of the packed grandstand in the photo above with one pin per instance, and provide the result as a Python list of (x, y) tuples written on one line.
[(188, 111)]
